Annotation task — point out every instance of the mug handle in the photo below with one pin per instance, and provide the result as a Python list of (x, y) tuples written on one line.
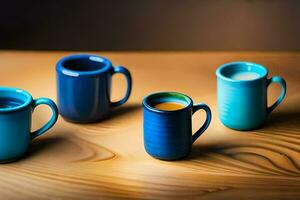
[(281, 81), (206, 123), (124, 71), (53, 119)]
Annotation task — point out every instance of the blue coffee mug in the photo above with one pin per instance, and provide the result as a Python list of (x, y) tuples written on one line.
[(168, 134), (83, 87), (16, 108), (242, 103)]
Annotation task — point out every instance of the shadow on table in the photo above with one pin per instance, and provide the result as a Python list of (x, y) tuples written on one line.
[(266, 150), (41, 145), (285, 124), (285, 119), (123, 110), (204, 151), (252, 158)]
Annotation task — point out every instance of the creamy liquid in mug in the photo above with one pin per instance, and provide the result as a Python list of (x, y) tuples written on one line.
[(169, 106), (244, 76)]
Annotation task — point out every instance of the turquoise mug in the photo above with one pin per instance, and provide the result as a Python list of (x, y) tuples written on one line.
[(16, 107), (242, 94)]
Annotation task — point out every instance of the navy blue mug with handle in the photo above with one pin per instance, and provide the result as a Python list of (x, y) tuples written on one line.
[(168, 133), (83, 87)]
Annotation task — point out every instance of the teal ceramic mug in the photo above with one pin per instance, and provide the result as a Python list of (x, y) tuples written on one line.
[(16, 107), (242, 94)]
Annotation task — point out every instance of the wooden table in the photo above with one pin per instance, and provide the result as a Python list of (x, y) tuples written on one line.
[(107, 160)]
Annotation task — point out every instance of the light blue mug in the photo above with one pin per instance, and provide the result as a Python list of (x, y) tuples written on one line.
[(242, 94), (16, 107)]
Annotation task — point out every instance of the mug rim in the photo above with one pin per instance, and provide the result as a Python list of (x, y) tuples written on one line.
[(16, 90), (152, 95), (252, 64), (61, 68)]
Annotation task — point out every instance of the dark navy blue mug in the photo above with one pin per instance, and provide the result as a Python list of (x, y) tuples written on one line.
[(168, 133), (83, 87), (16, 107)]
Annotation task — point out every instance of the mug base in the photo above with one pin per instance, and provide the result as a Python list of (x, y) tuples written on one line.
[(10, 160), (168, 158), (240, 128)]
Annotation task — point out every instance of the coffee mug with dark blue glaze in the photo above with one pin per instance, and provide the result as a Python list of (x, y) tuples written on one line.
[(168, 134), (242, 101), (16, 107), (83, 87)]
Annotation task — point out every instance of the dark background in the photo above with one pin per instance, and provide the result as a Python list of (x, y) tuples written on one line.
[(150, 25)]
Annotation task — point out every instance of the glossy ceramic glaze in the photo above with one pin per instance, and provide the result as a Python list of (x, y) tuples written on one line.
[(168, 134), (242, 104), (15, 123), (83, 87)]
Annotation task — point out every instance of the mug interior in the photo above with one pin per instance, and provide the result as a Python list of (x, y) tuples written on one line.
[(229, 70), (163, 97), (13, 99), (85, 63)]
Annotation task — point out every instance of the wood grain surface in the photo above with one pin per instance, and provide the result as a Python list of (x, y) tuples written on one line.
[(106, 160)]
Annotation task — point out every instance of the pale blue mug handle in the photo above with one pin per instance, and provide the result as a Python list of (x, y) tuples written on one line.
[(206, 123), (53, 119), (281, 81), (126, 73)]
